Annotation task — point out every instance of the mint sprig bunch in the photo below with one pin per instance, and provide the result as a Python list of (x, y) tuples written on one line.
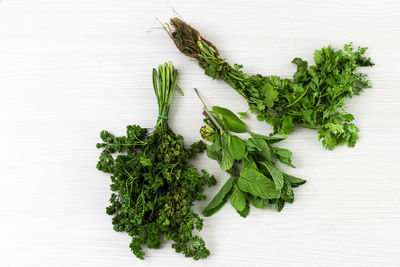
[(251, 164)]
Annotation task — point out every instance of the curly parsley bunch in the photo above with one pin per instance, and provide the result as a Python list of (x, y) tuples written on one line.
[(314, 98), (153, 183)]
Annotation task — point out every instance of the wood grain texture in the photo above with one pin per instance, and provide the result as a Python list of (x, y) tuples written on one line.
[(69, 69)]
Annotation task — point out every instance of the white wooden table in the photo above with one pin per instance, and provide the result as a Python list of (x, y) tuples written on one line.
[(70, 68)]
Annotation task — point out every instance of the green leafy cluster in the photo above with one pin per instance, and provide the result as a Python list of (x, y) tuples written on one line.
[(254, 177), (153, 184), (314, 98)]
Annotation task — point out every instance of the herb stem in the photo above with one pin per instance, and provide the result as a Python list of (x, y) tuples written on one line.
[(297, 100), (307, 126)]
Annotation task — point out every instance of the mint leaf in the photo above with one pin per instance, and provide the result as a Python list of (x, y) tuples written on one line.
[(294, 181), (279, 204), (255, 183), (220, 199), (261, 146), (269, 139), (249, 163), (259, 203), (212, 153), (226, 155), (287, 192), (246, 210), (214, 150), (283, 155), (226, 160), (237, 147), (238, 199), (230, 121), (275, 173)]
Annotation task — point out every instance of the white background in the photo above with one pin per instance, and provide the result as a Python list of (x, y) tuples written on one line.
[(70, 68)]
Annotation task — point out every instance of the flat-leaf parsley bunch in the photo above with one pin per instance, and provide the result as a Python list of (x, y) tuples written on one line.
[(153, 183), (314, 98)]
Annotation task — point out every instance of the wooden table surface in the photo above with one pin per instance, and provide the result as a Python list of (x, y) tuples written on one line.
[(70, 68)]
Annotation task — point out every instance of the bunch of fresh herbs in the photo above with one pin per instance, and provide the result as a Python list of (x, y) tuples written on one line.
[(153, 183), (254, 177), (314, 98)]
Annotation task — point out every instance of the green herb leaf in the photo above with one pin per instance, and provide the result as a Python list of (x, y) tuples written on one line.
[(269, 139), (279, 204), (294, 181), (145, 161), (238, 199), (269, 93), (249, 163), (226, 155), (261, 146), (287, 125), (283, 155), (259, 203), (275, 173), (237, 147), (255, 183), (244, 213), (214, 150), (287, 192), (230, 120), (213, 153), (220, 199), (243, 115)]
